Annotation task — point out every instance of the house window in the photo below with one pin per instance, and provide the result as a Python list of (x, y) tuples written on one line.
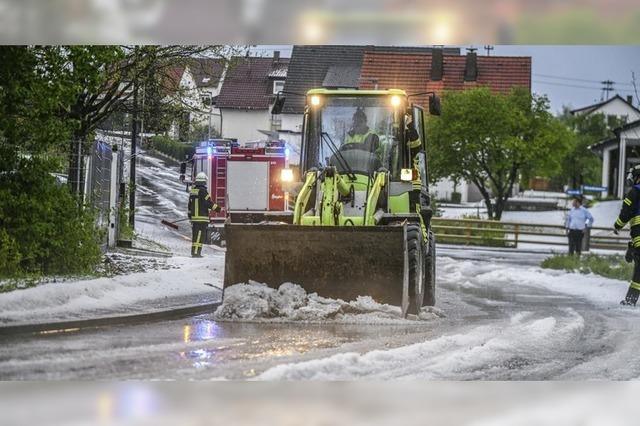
[(206, 100), (278, 86)]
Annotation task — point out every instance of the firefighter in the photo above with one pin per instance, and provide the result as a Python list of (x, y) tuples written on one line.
[(631, 213), (414, 143), (199, 206)]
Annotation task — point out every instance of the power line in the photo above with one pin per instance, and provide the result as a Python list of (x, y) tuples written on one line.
[(557, 77), (577, 86)]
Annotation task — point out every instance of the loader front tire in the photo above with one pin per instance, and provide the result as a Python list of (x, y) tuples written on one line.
[(416, 268)]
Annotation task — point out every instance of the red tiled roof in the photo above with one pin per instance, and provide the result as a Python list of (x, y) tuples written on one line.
[(170, 78), (412, 72), (247, 84), (207, 71)]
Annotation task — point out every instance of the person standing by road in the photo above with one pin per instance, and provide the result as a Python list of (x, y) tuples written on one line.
[(578, 220)]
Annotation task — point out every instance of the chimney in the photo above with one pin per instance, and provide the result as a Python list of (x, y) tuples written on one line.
[(471, 67), (276, 56), (630, 99), (436, 65)]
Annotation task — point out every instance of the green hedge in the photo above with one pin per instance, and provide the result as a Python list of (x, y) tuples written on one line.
[(175, 149), (606, 266), (42, 230)]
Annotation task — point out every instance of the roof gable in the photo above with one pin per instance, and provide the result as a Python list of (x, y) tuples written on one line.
[(247, 84), (590, 109)]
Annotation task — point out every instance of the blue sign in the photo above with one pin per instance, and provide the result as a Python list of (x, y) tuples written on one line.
[(591, 188), (574, 192)]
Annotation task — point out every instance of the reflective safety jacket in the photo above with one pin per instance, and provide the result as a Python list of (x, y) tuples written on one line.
[(199, 204), (359, 138), (631, 213)]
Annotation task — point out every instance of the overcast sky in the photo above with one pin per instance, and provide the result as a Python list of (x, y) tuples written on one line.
[(569, 75)]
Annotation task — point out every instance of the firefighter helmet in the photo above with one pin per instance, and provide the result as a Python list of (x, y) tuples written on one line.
[(201, 178), (633, 175)]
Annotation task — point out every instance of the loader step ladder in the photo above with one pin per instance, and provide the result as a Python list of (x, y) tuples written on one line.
[(221, 181)]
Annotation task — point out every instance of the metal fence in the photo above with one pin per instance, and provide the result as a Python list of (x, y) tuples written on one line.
[(102, 177), (510, 234)]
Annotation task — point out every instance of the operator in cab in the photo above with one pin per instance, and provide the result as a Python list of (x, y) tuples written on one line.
[(360, 133)]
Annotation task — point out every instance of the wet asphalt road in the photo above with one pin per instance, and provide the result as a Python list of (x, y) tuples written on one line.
[(541, 335), (491, 331)]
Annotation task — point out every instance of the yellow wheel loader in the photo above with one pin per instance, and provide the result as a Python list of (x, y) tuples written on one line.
[(361, 222)]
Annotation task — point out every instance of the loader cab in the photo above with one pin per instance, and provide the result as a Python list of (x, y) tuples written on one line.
[(362, 130), (355, 130), (361, 133)]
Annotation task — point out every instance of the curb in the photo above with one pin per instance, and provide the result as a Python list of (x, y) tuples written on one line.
[(76, 325), (144, 252)]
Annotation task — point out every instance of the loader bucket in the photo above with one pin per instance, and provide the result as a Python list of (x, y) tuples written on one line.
[(335, 262)]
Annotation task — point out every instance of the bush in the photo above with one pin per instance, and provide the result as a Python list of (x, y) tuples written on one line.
[(42, 230), (172, 148), (607, 266), (9, 254)]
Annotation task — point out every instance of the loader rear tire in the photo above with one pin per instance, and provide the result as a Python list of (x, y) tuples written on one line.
[(416, 268), (430, 272)]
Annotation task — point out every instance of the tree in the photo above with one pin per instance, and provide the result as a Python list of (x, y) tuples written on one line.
[(107, 76), (580, 165), (491, 139), (41, 231), (31, 96)]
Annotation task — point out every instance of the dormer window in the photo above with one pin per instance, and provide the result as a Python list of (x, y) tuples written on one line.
[(278, 86)]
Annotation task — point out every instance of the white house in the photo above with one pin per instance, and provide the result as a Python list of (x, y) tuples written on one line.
[(614, 107), (620, 152), (195, 86), (247, 94)]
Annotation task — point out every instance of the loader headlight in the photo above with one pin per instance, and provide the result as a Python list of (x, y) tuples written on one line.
[(406, 175), (395, 101), (315, 100), (286, 175)]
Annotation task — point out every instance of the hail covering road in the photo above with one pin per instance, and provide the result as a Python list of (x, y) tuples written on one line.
[(505, 319)]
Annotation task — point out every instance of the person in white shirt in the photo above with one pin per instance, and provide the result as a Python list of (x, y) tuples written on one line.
[(578, 219)]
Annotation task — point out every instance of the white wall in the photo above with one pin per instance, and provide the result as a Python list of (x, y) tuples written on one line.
[(244, 124), (619, 108), (291, 122), (469, 192)]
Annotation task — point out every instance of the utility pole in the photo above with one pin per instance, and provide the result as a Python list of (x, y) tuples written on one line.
[(210, 113), (488, 48), (607, 86), (132, 165)]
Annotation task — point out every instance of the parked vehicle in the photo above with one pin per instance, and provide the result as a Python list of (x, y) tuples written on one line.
[(244, 181)]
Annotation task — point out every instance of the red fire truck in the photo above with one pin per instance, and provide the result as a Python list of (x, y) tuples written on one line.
[(246, 181)]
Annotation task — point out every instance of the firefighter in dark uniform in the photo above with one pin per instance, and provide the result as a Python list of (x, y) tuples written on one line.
[(415, 144), (630, 213), (199, 206)]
